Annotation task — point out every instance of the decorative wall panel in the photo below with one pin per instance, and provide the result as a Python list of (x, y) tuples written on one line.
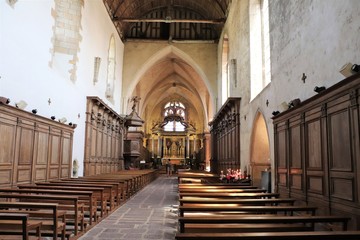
[(104, 137), (323, 148), (225, 136), (32, 147)]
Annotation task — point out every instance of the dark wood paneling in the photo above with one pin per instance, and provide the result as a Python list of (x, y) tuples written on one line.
[(319, 141), (104, 136), (225, 137)]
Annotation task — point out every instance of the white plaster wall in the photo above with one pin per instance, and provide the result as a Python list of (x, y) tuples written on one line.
[(25, 43), (314, 37)]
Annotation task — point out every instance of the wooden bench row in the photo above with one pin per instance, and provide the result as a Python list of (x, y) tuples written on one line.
[(67, 207), (228, 211)]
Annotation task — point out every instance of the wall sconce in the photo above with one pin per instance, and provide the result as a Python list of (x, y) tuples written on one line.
[(319, 89), (355, 68), (62, 120), (295, 102), (21, 104), (4, 100), (349, 69), (274, 113)]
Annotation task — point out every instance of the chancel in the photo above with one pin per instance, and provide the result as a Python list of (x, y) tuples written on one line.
[(179, 119)]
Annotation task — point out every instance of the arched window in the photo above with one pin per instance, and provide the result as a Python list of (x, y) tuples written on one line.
[(260, 46), (225, 70), (111, 69), (174, 116)]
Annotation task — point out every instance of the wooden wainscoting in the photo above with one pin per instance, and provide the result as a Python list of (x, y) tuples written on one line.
[(317, 150), (33, 148), (104, 138)]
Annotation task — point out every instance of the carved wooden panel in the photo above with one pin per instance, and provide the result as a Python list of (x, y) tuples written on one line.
[(340, 141), (313, 144), (315, 184), (225, 134), (104, 136), (323, 148), (30, 147)]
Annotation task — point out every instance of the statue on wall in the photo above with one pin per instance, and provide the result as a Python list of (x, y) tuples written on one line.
[(135, 99), (168, 146)]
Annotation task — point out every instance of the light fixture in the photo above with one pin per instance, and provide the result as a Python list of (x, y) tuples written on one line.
[(274, 113), (4, 100), (62, 120), (295, 102), (319, 89), (349, 69), (21, 104), (355, 68)]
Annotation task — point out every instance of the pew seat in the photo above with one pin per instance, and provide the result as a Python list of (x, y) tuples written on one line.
[(253, 202), (308, 235), (19, 224), (246, 209), (260, 219)]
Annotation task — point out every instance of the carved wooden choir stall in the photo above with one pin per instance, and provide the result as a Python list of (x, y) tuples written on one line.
[(317, 150)]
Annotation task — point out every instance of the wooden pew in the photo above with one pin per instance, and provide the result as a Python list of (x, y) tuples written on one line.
[(237, 201), (134, 179), (121, 185), (221, 190), (98, 193), (310, 235), (107, 194), (85, 197), (216, 186), (125, 184), (53, 220), (74, 210), (260, 219), (110, 187), (198, 208), (19, 224), (229, 195)]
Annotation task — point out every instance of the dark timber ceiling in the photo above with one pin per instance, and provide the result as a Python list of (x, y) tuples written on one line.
[(168, 19)]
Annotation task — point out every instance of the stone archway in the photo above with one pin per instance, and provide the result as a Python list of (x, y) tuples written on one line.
[(260, 149)]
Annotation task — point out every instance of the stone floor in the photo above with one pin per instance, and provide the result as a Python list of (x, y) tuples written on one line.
[(150, 214)]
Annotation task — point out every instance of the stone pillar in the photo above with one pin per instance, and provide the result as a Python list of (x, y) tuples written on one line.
[(152, 146), (187, 146)]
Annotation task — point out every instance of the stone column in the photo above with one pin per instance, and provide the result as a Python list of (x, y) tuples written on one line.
[(187, 146), (152, 146)]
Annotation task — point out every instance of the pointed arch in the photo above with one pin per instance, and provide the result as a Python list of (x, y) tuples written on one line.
[(158, 56), (225, 70), (259, 148), (260, 74)]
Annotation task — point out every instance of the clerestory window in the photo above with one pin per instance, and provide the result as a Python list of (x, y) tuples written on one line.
[(174, 116)]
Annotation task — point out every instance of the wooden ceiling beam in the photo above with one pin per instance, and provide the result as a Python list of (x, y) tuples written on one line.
[(134, 20)]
